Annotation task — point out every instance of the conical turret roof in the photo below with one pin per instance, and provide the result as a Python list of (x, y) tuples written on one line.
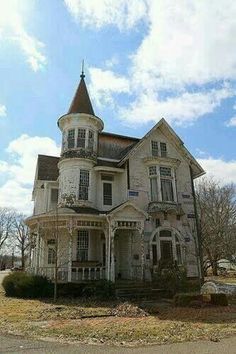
[(81, 102)]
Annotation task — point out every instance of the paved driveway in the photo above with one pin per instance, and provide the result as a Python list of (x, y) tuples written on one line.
[(18, 345)]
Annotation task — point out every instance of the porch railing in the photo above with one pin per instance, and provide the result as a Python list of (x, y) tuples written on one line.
[(88, 273), (78, 274)]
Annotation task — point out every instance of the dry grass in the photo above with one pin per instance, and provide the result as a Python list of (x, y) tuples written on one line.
[(222, 279), (66, 321)]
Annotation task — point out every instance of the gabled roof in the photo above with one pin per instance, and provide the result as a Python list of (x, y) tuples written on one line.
[(47, 169), (125, 204), (81, 102), (197, 169)]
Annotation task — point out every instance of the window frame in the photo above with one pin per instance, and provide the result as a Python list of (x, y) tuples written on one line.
[(178, 255), (160, 179), (83, 189), (103, 195), (81, 138), (158, 150), (70, 139), (84, 257)]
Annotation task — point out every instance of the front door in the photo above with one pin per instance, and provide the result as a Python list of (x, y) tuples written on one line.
[(122, 255)]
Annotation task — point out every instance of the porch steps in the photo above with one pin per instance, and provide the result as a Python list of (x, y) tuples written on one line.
[(139, 292)]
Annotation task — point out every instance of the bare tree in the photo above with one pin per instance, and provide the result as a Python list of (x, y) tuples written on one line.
[(20, 236), (6, 225), (217, 213)]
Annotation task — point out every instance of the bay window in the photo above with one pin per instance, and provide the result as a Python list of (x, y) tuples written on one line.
[(81, 138), (161, 176), (91, 140), (71, 139)]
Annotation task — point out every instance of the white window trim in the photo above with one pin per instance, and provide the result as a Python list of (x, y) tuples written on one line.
[(112, 194), (159, 148), (159, 177), (89, 196), (171, 238)]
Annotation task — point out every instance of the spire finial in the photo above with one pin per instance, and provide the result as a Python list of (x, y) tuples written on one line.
[(82, 70)]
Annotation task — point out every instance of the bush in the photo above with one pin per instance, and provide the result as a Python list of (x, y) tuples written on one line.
[(219, 299), (71, 289), (23, 285), (184, 300), (102, 289), (172, 278), (198, 300), (105, 289)]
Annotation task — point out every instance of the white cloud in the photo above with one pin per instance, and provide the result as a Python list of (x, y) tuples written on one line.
[(222, 171), (182, 110), (13, 14), (184, 43), (104, 83), (231, 122), (19, 170), (123, 14), (3, 110)]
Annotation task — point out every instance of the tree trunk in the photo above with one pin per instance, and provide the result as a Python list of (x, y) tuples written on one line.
[(214, 268), (23, 258)]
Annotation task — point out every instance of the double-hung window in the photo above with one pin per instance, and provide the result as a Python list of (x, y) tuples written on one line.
[(82, 245), (107, 193), (90, 140), (153, 183), (158, 149), (155, 148), (81, 137), (51, 251), (166, 184), (83, 184), (71, 139), (163, 149)]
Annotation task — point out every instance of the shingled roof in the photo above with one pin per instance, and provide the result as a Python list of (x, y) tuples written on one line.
[(81, 102), (47, 168)]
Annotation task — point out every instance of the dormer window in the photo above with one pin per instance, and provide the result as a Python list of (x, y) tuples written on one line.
[(154, 148), (71, 138), (81, 138)]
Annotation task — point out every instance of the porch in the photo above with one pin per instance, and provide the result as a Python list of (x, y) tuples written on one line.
[(81, 248)]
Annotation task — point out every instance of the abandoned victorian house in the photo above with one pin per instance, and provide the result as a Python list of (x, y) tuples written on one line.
[(111, 206)]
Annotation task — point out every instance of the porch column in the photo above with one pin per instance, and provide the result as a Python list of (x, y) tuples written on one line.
[(37, 250), (112, 247), (70, 252), (141, 231), (106, 233)]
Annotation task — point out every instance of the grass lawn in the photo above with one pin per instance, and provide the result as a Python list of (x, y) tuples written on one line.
[(222, 279), (72, 321)]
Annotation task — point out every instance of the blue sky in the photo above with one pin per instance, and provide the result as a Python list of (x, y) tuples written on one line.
[(144, 59)]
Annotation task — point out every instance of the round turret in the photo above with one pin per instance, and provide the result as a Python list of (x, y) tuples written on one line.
[(80, 128)]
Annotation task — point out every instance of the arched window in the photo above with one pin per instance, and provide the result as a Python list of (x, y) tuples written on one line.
[(166, 246)]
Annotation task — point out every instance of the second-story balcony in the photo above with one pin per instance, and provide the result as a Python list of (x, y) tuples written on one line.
[(165, 207)]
